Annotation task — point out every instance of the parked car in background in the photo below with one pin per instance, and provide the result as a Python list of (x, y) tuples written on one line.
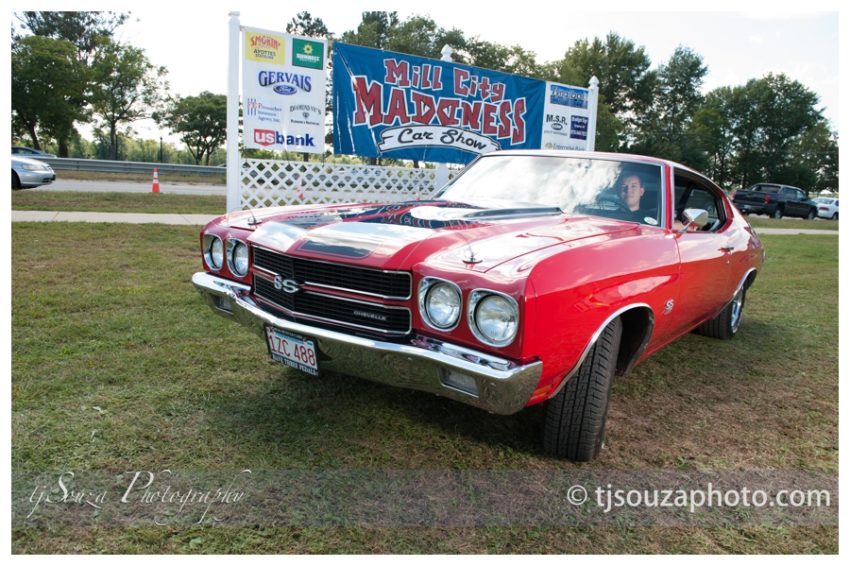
[(827, 207), (28, 173), (29, 152), (532, 277), (775, 201)]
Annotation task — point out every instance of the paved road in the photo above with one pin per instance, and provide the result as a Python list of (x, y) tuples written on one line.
[(129, 187)]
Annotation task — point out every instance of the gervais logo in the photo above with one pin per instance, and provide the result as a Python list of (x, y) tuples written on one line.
[(309, 54), (285, 83)]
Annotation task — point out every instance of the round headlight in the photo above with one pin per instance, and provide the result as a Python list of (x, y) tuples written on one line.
[(495, 319), (441, 304), (237, 257), (215, 252)]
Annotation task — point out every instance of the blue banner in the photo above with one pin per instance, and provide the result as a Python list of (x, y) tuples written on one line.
[(407, 107)]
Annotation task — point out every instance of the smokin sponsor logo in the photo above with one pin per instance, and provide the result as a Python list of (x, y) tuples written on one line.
[(264, 47)]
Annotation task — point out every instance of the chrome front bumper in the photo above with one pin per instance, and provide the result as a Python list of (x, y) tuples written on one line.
[(424, 364)]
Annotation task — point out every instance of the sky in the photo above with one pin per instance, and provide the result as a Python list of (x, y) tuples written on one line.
[(735, 45)]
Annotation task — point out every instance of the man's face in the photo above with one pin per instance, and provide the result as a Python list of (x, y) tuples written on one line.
[(631, 191)]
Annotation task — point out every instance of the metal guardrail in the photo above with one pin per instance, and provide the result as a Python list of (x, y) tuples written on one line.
[(104, 166)]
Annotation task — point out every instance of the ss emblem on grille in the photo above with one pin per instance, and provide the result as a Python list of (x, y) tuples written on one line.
[(286, 285)]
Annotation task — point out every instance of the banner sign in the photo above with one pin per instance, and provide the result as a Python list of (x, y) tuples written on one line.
[(408, 107), (283, 88)]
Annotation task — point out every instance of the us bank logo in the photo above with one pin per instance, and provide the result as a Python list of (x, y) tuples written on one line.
[(308, 54)]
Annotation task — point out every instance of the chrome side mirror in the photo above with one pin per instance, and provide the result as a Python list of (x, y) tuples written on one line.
[(694, 217)]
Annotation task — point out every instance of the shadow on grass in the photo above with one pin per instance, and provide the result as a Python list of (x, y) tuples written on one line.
[(338, 420)]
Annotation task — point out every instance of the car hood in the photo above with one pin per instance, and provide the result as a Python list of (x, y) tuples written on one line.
[(399, 236)]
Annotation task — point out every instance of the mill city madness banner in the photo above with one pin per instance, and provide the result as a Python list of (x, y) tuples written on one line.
[(283, 87), (408, 107)]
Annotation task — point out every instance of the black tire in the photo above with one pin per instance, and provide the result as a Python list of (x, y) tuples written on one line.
[(575, 417), (16, 182), (725, 325), (812, 214), (777, 213), (835, 216)]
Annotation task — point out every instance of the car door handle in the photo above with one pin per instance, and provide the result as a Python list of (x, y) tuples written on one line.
[(728, 248)]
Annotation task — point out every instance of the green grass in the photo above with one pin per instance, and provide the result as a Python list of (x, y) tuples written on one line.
[(796, 223), (164, 177), (117, 202), (117, 365)]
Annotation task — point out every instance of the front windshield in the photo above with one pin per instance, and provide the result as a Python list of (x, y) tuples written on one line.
[(599, 187)]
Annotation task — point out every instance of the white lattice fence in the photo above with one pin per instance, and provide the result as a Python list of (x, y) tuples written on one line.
[(266, 183)]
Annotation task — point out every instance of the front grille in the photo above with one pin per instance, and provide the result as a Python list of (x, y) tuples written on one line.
[(383, 284), (369, 316)]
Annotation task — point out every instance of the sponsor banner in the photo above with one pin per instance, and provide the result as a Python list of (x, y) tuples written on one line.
[(283, 87), (407, 107), (566, 117)]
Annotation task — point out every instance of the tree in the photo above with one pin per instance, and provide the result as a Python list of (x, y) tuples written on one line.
[(48, 90), (712, 129), (768, 115), (664, 129), (126, 88), (201, 122), (84, 29), (306, 25), (374, 29), (625, 79)]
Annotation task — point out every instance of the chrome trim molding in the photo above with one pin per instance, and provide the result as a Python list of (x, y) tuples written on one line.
[(422, 293), (208, 240), (228, 255), (317, 318), (337, 264), (475, 297), (596, 336), (503, 386)]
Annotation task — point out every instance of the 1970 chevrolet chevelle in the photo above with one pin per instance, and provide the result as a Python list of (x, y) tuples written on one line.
[(533, 276)]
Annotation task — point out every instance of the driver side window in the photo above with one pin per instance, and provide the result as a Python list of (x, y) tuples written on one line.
[(690, 193)]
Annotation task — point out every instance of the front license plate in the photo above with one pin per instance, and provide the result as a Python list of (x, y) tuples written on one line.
[(295, 351)]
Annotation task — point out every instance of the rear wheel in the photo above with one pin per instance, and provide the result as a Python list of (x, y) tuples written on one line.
[(725, 325), (16, 182), (575, 417), (835, 216), (812, 214)]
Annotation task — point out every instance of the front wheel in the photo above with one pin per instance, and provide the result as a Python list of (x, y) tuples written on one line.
[(777, 213), (575, 417), (725, 325), (812, 214), (16, 182)]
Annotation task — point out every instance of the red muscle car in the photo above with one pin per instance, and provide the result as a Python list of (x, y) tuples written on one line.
[(533, 276)]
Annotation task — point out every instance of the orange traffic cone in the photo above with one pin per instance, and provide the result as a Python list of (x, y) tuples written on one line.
[(155, 186)]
